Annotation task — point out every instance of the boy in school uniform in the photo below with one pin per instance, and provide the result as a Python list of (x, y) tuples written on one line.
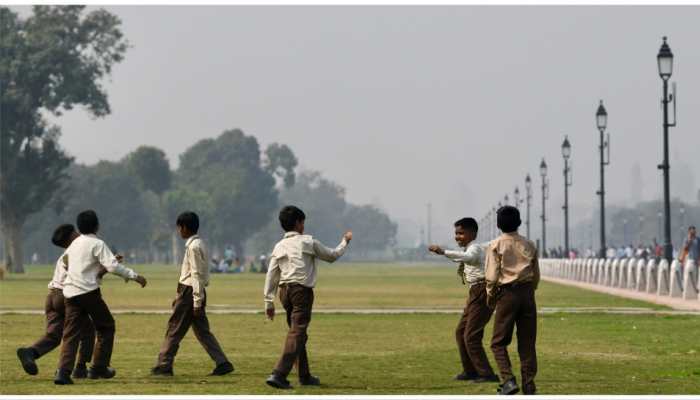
[(470, 329), (189, 307), (84, 259), (54, 310), (292, 268), (512, 276)]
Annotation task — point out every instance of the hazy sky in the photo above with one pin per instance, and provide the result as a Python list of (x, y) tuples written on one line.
[(406, 105)]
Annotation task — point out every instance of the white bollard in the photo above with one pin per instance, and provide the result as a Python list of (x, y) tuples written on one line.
[(622, 272), (651, 276), (663, 277), (614, 276), (632, 273), (676, 279), (609, 272), (600, 266), (690, 280), (641, 285)]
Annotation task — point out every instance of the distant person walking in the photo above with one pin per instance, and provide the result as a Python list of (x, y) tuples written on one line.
[(691, 247)]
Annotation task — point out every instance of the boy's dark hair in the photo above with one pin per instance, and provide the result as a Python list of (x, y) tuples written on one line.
[(289, 215), (508, 219), (62, 235), (87, 222), (189, 220), (468, 224)]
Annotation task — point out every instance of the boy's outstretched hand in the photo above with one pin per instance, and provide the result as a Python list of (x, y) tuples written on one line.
[(436, 249), (347, 236), (141, 280)]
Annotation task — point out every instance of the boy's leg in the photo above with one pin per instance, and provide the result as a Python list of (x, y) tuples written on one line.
[(178, 324), (527, 335), (503, 324), (71, 334), (87, 341), (467, 366), (55, 312), (305, 302), (200, 326), (297, 300), (478, 315), (102, 318)]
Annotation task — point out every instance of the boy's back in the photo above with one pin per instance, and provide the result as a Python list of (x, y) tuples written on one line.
[(517, 258)]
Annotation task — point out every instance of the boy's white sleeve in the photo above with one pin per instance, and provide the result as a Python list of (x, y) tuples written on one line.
[(328, 254), (109, 261), (272, 280), (472, 256)]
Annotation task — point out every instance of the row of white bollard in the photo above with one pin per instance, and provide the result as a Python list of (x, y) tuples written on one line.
[(629, 273)]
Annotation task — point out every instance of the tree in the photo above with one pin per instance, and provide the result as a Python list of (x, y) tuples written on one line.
[(280, 161), (229, 169), (49, 62), (151, 168), (372, 228), (328, 215)]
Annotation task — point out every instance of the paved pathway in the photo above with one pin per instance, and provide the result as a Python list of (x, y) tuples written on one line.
[(673, 302)]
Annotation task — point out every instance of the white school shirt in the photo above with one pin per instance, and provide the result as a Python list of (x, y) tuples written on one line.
[(472, 257), (293, 260), (195, 269), (84, 257)]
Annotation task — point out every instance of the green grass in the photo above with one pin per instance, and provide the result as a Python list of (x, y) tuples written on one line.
[(361, 354), (341, 285), (382, 354)]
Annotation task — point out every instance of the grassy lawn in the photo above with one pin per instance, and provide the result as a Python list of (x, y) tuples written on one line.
[(361, 354), (341, 285), (381, 354)]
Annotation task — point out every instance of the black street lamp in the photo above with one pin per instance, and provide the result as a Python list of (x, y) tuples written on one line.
[(566, 153), (665, 63), (545, 196), (602, 122), (528, 198), (505, 200), (516, 197)]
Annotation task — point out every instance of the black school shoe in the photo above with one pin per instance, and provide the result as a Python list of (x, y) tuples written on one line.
[(26, 358), (487, 378), (530, 389), (278, 382), (162, 370), (222, 369), (101, 373), (508, 388), (466, 376), (80, 371), (309, 381), (62, 377)]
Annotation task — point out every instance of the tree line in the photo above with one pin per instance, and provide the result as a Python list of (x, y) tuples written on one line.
[(54, 60)]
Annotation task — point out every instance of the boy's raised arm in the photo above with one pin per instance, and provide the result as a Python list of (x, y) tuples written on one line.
[(110, 263), (328, 254)]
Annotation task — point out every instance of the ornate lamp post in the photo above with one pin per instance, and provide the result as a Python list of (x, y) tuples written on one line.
[(545, 196), (528, 198), (665, 63), (566, 153), (602, 122)]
